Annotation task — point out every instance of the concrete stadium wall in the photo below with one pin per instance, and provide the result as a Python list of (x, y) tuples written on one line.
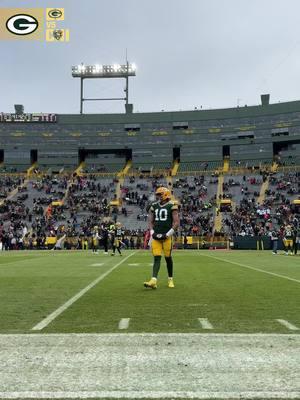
[(249, 132)]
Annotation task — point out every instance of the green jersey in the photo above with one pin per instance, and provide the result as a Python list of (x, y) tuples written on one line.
[(288, 234), (118, 233), (163, 219)]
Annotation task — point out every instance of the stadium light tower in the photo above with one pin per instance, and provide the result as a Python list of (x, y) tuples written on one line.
[(104, 71)]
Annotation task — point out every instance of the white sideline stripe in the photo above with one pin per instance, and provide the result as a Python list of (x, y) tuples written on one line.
[(288, 325), (124, 323), (41, 325), (255, 269), (148, 335), (151, 395), (205, 324)]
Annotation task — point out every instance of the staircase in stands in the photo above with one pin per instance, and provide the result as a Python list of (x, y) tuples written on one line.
[(218, 214), (226, 163)]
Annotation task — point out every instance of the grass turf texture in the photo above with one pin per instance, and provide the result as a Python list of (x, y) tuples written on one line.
[(234, 299)]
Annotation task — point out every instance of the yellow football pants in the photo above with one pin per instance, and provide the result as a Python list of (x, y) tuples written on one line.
[(159, 246), (288, 242), (117, 242)]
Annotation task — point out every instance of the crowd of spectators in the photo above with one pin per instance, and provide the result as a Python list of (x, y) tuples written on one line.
[(8, 184), (196, 206), (50, 205), (277, 209)]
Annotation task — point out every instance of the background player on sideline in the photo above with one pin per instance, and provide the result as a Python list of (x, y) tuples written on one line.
[(117, 239)]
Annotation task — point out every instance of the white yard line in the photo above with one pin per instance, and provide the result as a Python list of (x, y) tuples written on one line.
[(124, 323), (46, 321), (16, 336), (205, 324), (151, 366), (253, 268), (255, 395), (287, 324)]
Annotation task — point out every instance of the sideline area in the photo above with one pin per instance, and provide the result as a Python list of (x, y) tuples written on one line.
[(153, 366)]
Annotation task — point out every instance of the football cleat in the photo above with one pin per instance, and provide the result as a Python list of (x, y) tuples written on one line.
[(151, 284), (171, 283)]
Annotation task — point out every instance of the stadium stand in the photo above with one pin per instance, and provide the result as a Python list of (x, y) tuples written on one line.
[(77, 170)]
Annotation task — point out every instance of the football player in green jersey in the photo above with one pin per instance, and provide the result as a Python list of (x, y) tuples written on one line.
[(288, 239), (117, 239), (163, 221)]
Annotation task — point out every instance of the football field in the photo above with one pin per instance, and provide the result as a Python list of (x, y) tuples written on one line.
[(81, 325)]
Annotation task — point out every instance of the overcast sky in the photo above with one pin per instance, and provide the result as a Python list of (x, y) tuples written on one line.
[(192, 53)]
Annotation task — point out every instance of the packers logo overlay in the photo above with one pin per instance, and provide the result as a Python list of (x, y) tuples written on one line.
[(55, 14), (27, 24), (22, 24)]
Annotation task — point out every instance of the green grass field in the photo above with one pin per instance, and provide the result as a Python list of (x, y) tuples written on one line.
[(77, 325), (236, 291)]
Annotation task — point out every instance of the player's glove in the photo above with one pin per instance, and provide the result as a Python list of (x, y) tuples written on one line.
[(159, 236)]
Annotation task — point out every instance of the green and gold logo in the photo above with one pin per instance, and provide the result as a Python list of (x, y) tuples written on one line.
[(33, 24)]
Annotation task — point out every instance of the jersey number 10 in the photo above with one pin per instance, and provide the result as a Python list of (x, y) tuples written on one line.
[(161, 215)]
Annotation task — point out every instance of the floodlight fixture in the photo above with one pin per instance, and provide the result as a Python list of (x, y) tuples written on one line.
[(83, 71), (103, 71)]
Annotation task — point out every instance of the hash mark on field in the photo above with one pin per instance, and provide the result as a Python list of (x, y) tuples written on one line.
[(96, 265), (287, 324), (124, 323), (46, 321), (205, 324), (133, 265)]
